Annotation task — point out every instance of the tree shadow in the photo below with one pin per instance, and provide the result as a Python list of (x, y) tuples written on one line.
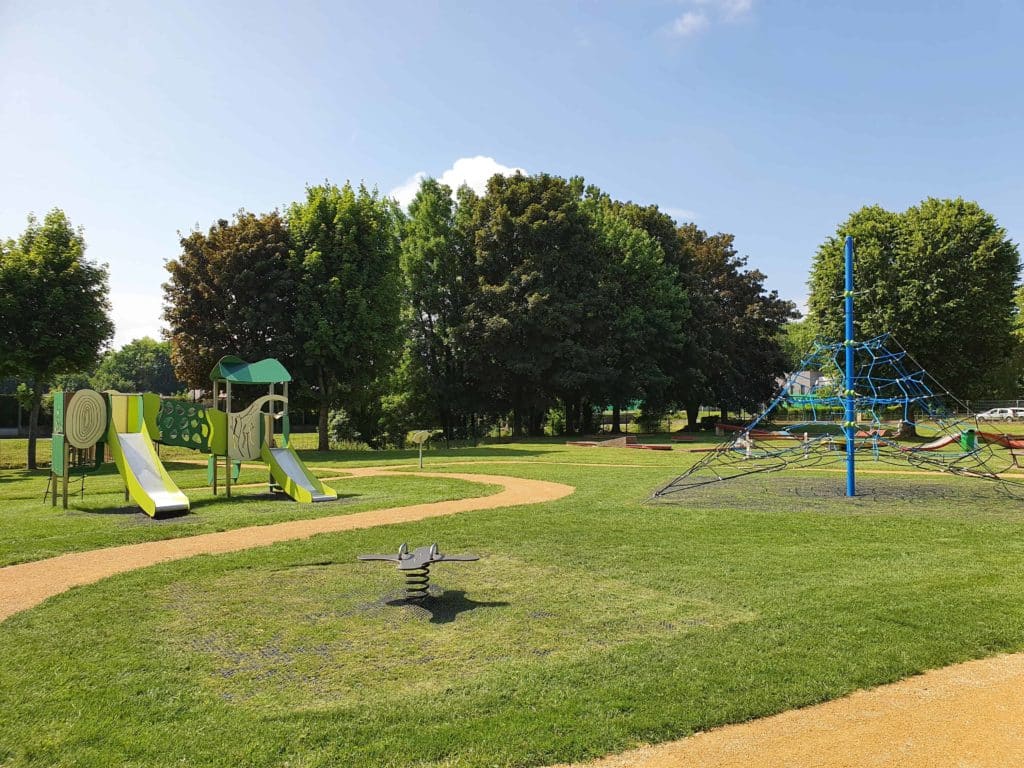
[(267, 496), (443, 608), (434, 454)]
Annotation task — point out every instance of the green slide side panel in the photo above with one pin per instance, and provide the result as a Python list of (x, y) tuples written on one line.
[(218, 421), (150, 412), (294, 477), (185, 424)]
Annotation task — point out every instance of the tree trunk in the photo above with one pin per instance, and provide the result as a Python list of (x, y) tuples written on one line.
[(323, 444), (907, 429), (616, 419), (693, 417), (33, 426), (536, 425)]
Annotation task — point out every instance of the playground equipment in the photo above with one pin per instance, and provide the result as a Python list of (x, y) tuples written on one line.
[(419, 438), (250, 432), (415, 566), (85, 425), (88, 423), (869, 385)]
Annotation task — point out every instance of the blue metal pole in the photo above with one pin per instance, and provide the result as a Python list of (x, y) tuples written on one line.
[(850, 425)]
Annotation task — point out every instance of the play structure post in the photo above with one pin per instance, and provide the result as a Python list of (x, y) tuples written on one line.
[(848, 392), (227, 451)]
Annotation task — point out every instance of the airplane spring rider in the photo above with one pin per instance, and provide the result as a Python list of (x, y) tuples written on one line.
[(415, 566)]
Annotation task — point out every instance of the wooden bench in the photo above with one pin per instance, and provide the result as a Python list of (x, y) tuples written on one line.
[(1017, 454)]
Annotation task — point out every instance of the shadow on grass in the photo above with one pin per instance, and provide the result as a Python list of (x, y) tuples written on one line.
[(445, 607), (267, 497), (341, 457)]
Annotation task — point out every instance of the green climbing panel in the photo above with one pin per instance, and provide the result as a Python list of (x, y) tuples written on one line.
[(185, 424)]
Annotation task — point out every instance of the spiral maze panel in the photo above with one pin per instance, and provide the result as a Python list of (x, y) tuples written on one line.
[(85, 418)]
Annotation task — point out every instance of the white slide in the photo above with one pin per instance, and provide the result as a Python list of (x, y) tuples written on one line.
[(294, 477), (148, 482)]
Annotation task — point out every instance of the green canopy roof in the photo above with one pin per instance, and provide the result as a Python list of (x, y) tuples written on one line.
[(236, 370)]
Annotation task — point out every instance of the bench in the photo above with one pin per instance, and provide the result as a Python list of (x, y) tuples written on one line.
[(1017, 454)]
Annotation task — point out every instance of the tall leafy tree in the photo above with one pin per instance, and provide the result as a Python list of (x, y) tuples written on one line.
[(530, 331), (643, 307), (54, 309), (738, 351), (940, 277), (1016, 372), (230, 291), (142, 365), (437, 261), (797, 340), (345, 257)]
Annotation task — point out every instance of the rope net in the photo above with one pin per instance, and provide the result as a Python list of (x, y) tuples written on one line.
[(904, 418)]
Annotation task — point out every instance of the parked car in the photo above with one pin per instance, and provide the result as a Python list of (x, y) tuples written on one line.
[(1000, 414)]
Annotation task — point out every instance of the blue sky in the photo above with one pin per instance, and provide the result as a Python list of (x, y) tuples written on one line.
[(770, 120)]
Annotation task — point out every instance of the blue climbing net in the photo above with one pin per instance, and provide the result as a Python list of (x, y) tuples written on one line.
[(894, 398)]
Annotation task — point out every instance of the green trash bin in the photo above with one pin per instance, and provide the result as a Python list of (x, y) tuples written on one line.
[(968, 440)]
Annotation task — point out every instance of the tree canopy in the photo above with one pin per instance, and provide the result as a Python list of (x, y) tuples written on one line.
[(142, 365), (940, 277), (230, 291), (349, 297), (438, 264), (54, 309)]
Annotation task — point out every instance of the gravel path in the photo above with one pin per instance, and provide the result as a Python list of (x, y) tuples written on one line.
[(968, 715)]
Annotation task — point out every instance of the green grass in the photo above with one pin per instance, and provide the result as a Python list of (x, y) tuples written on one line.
[(591, 624), (32, 530)]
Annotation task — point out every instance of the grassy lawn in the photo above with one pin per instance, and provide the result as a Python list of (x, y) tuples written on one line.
[(591, 623), (31, 530)]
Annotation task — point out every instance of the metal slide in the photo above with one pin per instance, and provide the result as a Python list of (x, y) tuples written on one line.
[(294, 477), (148, 483)]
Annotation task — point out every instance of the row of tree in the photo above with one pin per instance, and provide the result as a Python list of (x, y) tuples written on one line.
[(540, 294), (542, 298)]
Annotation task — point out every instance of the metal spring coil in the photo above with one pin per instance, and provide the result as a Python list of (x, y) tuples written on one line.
[(417, 583)]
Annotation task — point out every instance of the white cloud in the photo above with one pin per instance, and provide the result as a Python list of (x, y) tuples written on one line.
[(406, 191), (681, 215), (473, 171), (731, 10), (135, 315), (702, 14), (689, 24)]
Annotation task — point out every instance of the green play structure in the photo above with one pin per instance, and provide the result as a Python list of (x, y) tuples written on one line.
[(87, 424)]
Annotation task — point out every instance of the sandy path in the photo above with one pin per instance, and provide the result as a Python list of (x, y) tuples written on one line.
[(968, 715), (26, 585)]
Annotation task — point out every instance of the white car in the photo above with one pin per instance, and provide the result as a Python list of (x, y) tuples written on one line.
[(999, 414)]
